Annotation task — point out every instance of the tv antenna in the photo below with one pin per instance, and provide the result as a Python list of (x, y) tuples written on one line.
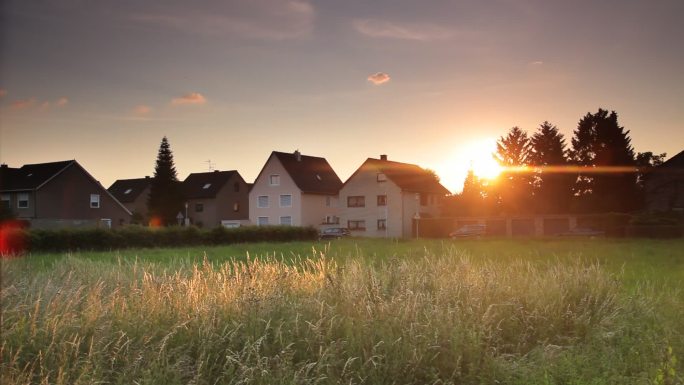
[(210, 165)]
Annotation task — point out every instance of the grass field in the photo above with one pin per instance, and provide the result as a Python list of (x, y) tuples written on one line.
[(349, 312)]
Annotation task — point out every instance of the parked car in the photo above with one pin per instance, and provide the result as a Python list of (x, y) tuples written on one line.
[(469, 231), (334, 233), (582, 232)]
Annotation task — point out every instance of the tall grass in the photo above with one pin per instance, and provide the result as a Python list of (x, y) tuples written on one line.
[(438, 319)]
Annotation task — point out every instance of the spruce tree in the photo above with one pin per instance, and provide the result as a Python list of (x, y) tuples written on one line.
[(514, 185), (165, 200), (552, 182)]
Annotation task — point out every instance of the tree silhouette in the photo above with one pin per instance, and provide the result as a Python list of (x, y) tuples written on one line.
[(604, 147), (552, 183), (514, 186), (165, 200)]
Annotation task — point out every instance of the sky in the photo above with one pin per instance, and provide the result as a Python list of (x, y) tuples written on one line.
[(430, 82)]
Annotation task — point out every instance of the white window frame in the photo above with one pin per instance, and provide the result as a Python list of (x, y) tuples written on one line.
[(281, 200), (274, 180), (258, 202), (95, 201), (23, 197), (289, 223), (259, 219)]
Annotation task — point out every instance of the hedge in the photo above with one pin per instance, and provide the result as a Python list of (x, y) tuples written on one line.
[(144, 237)]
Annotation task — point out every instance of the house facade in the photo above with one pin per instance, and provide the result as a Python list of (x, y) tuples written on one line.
[(295, 190), (59, 194), (664, 186), (216, 198), (133, 194), (382, 198)]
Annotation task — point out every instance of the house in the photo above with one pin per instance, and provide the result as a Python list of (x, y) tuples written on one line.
[(382, 198), (664, 186), (59, 194), (133, 194), (295, 189), (216, 198)]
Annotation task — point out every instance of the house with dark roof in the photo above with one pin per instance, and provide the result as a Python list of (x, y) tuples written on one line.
[(216, 198), (664, 186), (295, 190), (382, 198), (133, 194), (59, 194)]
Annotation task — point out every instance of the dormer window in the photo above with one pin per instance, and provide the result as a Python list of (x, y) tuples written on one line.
[(206, 186), (29, 174), (128, 191), (318, 176)]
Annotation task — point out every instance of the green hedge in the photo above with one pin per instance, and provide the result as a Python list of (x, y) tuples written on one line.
[(141, 237)]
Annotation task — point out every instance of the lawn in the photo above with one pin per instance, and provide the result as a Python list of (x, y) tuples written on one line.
[(354, 311)]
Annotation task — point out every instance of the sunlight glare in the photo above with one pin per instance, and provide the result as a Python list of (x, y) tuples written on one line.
[(480, 159)]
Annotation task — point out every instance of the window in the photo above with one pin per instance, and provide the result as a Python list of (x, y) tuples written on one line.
[(106, 223), (274, 180), (318, 176), (423, 199), (356, 225), (262, 201), (382, 200), (262, 221), (22, 200), (327, 201), (356, 201), (286, 221), (331, 220), (286, 200), (206, 186), (128, 191), (236, 206), (382, 224), (6, 201), (94, 201), (381, 177), (236, 187), (199, 207)]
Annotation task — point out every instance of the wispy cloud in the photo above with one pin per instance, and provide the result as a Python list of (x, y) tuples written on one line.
[(404, 31), (3, 92), (61, 102), (142, 110), (379, 78), (23, 104), (260, 19), (190, 98)]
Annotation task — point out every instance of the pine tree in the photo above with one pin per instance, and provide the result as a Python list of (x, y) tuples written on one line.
[(514, 185), (165, 200), (552, 183), (605, 146)]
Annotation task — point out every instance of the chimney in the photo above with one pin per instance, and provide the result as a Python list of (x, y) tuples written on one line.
[(383, 157), (216, 170), (147, 177), (298, 155), (4, 166)]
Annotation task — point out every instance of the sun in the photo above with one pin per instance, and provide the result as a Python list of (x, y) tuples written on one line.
[(479, 156)]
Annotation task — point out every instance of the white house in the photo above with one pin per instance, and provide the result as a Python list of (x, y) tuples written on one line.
[(295, 189), (381, 198)]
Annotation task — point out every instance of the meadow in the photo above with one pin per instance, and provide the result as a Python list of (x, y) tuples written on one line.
[(356, 311)]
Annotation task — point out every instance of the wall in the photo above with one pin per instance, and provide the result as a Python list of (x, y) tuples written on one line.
[(315, 209), (220, 208), (287, 186)]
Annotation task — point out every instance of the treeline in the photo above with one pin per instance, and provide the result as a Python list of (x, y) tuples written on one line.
[(598, 172)]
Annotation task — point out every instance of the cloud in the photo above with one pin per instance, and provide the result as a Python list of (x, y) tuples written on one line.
[(142, 109), (190, 98), (403, 31), (61, 102), (259, 19), (23, 104), (379, 78), (536, 63), (3, 93)]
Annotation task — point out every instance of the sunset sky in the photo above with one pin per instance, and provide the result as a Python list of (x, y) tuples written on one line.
[(426, 82)]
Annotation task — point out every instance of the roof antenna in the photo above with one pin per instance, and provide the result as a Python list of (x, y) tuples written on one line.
[(210, 166)]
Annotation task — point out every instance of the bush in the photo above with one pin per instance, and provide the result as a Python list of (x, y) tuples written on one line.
[(144, 237)]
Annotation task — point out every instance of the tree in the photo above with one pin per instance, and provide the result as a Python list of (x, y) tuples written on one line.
[(166, 199), (514, 186), (552, 182), (604, 148)]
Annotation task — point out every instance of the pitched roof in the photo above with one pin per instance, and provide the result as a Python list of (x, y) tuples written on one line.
[(310, 173), (128, 190), (409, 177), (676, 161), (206, 184), (30, 176)]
